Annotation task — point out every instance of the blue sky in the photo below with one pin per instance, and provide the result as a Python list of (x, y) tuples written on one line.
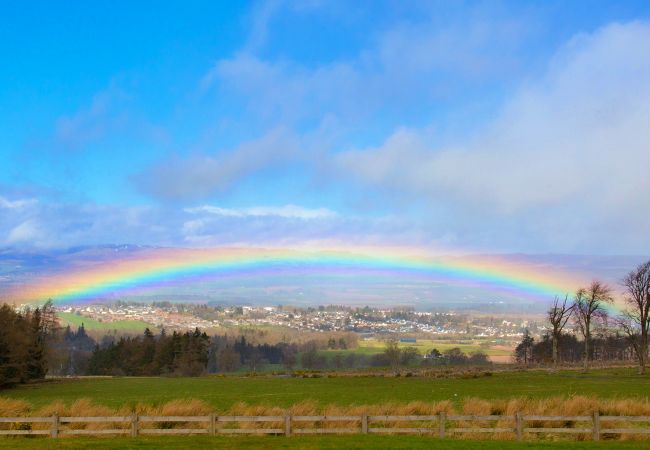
[(474, 126)]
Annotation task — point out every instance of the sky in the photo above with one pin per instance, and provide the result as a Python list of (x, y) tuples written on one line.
[(493, 127)]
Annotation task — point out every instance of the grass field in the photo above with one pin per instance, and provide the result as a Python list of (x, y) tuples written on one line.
[(371, 346), (134, 326), (306, 442), (223, 392)]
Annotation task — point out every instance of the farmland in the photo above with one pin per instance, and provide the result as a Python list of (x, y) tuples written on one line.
[(74, 320), (372, 346), (224, 392)]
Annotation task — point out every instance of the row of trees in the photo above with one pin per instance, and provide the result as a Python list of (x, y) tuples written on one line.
[(588, 311), (192, 354), (183, 354), (606, 346), (394, 356), (195, 353), (24, 341)]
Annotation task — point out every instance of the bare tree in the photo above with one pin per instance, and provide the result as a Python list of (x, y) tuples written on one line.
[(393, 353), (635, 319), (558, 316), (589, 305)]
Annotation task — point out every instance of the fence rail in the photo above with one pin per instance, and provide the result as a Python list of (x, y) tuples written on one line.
[(439, 425)]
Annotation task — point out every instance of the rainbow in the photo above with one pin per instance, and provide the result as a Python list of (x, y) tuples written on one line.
[(153, 268)]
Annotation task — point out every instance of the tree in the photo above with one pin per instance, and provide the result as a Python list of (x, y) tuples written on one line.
[(228, 359), (148, 353), (524, 351), (410, 355), (254, 359), (589, 305), (455, 356), (308, 359), (479, 359), (289, 359), (24, 343), (635, 319), (36, 348), (558, 316), (392, 353), (433, 357)]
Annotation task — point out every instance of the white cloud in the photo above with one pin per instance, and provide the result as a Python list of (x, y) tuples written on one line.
[(202, 175), (61, 225), (286, 211), (15, 204), (405, 66), (110, 114), (570, 148), (28, 232), (92, 122)]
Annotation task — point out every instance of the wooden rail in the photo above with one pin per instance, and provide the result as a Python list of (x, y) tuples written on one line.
[(438, 425)]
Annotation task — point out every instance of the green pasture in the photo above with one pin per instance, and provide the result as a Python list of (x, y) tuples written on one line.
[(372, 346), (223, 392), (301, 442), (94, 325)]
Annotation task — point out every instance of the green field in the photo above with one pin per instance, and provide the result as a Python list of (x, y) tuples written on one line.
[(74, 320), (302, 442), (371, 346), (223, 392)]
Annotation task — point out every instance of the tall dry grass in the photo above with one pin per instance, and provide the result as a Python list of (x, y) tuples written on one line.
[(553, 406)]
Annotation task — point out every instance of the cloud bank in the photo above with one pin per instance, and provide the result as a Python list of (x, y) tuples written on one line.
[(566, 157)]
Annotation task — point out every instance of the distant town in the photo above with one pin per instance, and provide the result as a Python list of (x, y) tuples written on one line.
[(176, 316)]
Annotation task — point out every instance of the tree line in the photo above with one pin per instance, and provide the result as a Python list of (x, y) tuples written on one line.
[(623, 336), (24, 339)]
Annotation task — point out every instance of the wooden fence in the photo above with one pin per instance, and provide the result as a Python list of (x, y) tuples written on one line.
[(440, 425)]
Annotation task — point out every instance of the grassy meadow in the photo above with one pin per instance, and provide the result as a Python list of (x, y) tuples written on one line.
[(501, 353), (129, 326), (224, 392), (617, 391), (372, 346)]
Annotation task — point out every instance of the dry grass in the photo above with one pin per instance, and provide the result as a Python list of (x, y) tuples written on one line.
[(572, 406)]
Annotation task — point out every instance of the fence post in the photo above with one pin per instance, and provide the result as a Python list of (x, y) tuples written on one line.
[(596, 420), (364, 423), (54, 432), (287, 425), (134, 425), (442, 423), (519, 424), (213, 424)]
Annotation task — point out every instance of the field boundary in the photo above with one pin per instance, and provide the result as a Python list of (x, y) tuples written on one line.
[(440, 425)]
